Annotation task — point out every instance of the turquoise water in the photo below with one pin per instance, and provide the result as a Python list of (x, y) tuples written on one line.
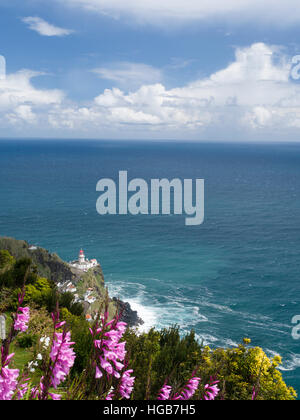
[(236, 275)]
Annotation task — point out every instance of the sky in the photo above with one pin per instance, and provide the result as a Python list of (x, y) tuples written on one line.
[(205, 70)]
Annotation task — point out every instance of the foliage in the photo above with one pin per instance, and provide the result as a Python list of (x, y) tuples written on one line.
[(168, 355), (14, 271), (38, 290), (37, 293), (26, 341), (6, 299), (40, 323), (241, 369), (66, 300), (83, 341), (6, 260)]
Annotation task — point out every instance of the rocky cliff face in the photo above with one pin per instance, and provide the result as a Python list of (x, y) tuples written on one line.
[(48, 265), (51, 266)]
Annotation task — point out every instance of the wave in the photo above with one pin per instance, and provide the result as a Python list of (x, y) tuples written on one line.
[(153, 309), (292, 364), (146, 313), (161, 310)]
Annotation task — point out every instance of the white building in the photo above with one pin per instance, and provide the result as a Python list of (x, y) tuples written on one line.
[(83, 263), (90, 300), (32, 248), (71, 288)]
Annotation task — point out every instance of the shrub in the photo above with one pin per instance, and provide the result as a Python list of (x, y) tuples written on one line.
[(6, 260), (26, 341)]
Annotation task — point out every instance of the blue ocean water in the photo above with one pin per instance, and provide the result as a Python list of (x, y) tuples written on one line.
[(235, 276)]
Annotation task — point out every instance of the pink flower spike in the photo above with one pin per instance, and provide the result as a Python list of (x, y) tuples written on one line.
[(99, 374), (127, 383), (8, 383), (22, 319), (190, 389), (57, 326), (7, 361), (21, 297), (211, 391), (63, 357), (164, 393), (55, 397), (109, 323)]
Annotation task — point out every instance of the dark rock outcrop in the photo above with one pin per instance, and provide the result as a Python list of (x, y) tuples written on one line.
[(127, 314)]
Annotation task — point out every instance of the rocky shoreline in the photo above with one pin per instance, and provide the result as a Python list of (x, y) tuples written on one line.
[(128, 315)]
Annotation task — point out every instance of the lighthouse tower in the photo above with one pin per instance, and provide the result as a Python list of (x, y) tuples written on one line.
[(81, 257), (83, 263)]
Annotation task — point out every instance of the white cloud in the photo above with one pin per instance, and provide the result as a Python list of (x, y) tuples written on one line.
[(129, 74), (17, 89), (44, 28), (158, 11), (251, 94), (253, 83), (19, 99), (22, 113), (251, 97)]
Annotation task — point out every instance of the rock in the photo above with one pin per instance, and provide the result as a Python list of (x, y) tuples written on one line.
[(128, 315)]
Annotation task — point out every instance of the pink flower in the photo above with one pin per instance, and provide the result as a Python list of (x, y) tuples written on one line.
[(37, 392), (8, 383), (110, 355), (5, 359), (164, 393), (111, 352), (62, 356), (111, 395), (126, 386), (190, 389), (55, 397), (99, 374), (22, 389), (255, 393), (211, 391), (22, 319)]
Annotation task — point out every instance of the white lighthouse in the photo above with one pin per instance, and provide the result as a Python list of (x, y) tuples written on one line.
[(81, 257), (82, 263)]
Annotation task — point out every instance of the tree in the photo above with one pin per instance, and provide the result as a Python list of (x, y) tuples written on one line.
[(6, 260)]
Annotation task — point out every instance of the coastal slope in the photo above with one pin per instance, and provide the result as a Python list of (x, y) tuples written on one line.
[(88, 287)]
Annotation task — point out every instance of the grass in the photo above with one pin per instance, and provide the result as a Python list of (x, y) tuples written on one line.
[(21, 358)]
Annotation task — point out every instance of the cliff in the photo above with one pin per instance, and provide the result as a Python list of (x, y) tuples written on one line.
[(90, 285)]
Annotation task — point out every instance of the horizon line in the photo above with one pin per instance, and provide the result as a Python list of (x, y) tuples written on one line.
[(141, 140)]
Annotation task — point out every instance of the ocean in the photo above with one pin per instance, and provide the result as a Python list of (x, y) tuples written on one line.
[(234, 276)]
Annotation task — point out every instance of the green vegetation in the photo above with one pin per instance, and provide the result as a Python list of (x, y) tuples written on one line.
[(159, 355), (93, 279), (47, 265), (39, 291)]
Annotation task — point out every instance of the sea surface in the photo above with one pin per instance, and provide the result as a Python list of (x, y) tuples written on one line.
[(235, 276)]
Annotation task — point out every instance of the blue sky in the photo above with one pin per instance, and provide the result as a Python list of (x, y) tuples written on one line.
[(182, 69)]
